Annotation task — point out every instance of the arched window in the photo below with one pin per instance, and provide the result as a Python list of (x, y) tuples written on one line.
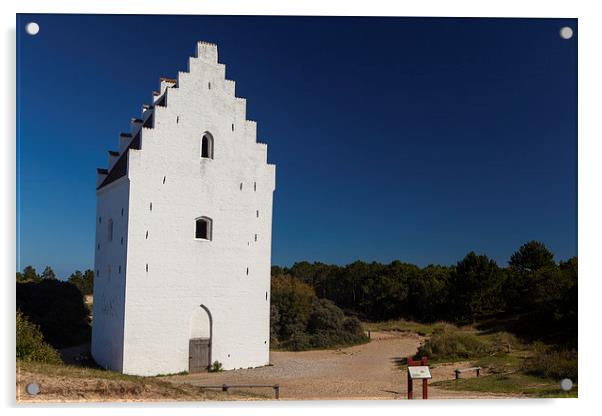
[(204, 228), (207, 146)]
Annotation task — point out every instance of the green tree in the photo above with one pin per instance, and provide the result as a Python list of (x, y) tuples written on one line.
[(385, 292), (83, 281), (88, 282), (568, 306), (428, 293), (531, 257), (48, 273), (29, 275), (349, 287), (475, 288), (527, 267), (292, 300), (278, 271), (554, 292)]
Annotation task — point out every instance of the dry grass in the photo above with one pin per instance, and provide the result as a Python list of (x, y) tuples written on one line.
[(513, 383), (406, 326), (63, 383)]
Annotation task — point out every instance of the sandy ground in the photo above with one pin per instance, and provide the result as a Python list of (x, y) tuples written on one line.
[(366, 371), (55, 388)]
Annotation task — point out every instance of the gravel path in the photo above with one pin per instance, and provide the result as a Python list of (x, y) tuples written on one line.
[(366, 371)]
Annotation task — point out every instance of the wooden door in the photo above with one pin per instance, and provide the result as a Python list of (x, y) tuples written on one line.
[(199, 356)]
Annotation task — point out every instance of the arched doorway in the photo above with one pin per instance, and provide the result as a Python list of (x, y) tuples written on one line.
[(201, 335)]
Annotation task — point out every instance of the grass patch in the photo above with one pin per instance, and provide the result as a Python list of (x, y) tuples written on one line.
[(510, 366), (181, 373), (515, 383), (62, 370), (501, 363), (405, 326), (452, 344), (551, 363)]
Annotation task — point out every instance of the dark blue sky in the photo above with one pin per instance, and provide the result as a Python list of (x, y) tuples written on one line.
[(394, 138)]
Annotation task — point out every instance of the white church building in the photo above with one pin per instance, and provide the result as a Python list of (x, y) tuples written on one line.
[(183, 233)]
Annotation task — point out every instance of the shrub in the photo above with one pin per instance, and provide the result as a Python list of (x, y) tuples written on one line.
[(216, 367), (31, 345), (552, 363), (504, 341), (330, 339), (300, 320), (298, 341), (353, 325), (325, 316), (327, 327), (447, 344)]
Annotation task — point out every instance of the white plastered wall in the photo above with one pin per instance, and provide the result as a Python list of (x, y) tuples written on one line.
[(170, 274), (110, 270)]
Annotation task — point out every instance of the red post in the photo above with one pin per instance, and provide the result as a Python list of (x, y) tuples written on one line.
[(425, 388), (412, 362)]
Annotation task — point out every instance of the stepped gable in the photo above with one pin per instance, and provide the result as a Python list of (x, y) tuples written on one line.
[(205, 51)]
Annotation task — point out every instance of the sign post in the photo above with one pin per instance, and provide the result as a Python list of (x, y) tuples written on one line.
[(418, 370)]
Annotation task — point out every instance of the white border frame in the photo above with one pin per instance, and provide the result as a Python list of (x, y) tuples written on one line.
[(590, 201)]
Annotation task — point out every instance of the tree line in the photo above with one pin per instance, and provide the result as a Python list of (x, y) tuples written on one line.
[(538, 292), (316, 305), (83, 281)]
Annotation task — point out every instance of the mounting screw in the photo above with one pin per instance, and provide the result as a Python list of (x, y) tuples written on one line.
[(566, 384), (32, 389), (32, 28), (566, 32)]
